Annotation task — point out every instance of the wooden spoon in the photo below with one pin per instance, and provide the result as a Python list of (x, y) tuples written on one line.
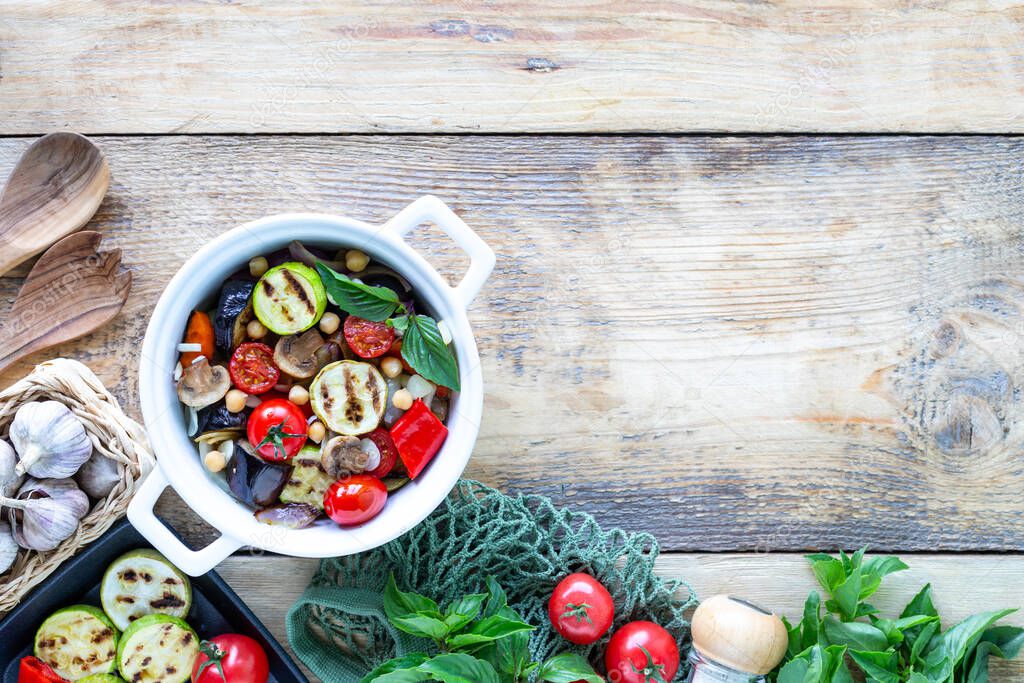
[(53, 191), (72, 290)]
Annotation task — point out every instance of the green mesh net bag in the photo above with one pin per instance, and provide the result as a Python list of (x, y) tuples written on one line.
[(338, 628)]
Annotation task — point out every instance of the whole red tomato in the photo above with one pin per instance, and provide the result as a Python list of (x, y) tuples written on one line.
[(277, 429), (355, 499), (581, 609), (240, 657), (641, 652)]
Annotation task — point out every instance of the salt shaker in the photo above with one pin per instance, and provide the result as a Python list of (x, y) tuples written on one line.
[(734, 641)]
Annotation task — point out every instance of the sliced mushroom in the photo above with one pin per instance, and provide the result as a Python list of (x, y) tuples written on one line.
[(202, 384), (296, 354), (342, 456)]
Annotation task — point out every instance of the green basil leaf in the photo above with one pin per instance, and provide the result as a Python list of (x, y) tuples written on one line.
[(397, 664), (513, 655), (567, 668), (496, 597), (402, 676), (880, 666), (875, 569), (424, 349), (811, 623), (1001, 641), (917, 677), (921, 604), (919, 640), (460, 668), (498, 626), (398, 604), (795, 671), (846, 596), (463, 611), (828, 570), (422, 626), (856, 634), (355, 298), (948, 649)]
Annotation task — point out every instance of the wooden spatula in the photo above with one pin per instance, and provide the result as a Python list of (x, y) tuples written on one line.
[(72, 290), (53, 191)]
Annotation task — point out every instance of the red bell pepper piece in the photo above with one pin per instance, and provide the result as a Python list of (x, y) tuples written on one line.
[(34, 670), (418, 435)]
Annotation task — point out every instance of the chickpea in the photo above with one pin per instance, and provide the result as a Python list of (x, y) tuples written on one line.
[(356, 260), (329, 323), (215, 461), (316, 431), (255, 330), (402, 399), (391, 367), (258, 266), (298, 395), (235, 400)]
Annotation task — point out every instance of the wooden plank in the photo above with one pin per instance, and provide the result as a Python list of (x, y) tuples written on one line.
[(101, 66), (734, 343), (962, 585)]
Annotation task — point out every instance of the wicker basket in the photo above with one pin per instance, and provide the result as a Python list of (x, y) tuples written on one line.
[(113, 434)]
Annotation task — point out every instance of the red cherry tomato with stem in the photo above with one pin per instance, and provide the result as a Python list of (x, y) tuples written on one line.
[(277, 429), (367, 338), (641, 652), (381, 438), (231, 658), (581, 609), (252, 368), (355, 499)]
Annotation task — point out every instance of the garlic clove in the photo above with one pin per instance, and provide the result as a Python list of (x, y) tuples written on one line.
[(98, 476), (49, 439), (8, 547), (10, 480)]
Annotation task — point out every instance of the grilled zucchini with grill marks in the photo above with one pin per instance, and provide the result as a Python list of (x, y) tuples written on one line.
[(157, 649), (309, 481), (143, 582), (77, 641), (349, 397), (289, 299)]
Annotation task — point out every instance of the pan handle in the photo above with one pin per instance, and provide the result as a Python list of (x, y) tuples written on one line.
[(481, 257), (142, 517)]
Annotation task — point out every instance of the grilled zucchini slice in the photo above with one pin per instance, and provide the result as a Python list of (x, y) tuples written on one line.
[(143, 582), (289, 298), (77, 641), (157, 649), (309, 481), (349, 397)]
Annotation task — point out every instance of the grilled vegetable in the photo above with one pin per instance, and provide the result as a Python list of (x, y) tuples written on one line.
[(77, 641), (101, 678), (254, 481), (296, 354), (143, 582), (203, 384), (219, 418), (418, 436), (289, 298), (288, 515), (157, 649), (349, 397), (234, 299), (309, 481), (199, 331)]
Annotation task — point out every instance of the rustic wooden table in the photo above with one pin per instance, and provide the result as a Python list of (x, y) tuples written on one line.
[(742, 300)]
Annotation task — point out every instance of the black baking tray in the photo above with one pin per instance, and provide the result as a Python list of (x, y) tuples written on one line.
[(215, 609)]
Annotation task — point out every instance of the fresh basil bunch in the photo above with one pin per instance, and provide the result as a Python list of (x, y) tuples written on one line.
[(480, 640), (423, 346), (912, 648)]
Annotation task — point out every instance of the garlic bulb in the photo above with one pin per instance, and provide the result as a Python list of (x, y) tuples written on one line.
[(98, 476), (9, 479), (45, 512), (50, 440), (8, 548)]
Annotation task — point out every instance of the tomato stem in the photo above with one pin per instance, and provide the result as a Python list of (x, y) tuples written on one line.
[(580, 611), (276, 436), (651, 670), (214, 656)]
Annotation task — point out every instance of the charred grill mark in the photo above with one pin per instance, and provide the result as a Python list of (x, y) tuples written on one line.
[(186, 639), (171, 670), (170, 581), (102, 635), (295, 287), (129, 575), (374, 395), (268, 288), (146, 661), (168, 600), (354, 411), (126, 599), (325, 394)]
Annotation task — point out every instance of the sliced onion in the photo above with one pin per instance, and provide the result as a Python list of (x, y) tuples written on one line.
[(419, 386), (190, 348), (193, 420), (178, 372), (299, 252), (446, 334), (373, 454)]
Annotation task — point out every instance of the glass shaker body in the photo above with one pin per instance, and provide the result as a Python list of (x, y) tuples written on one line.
[(703, 670)]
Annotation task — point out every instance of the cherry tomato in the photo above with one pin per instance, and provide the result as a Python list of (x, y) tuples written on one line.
[(277, 429), (388, 452), (641, 652), (252, 368), (581, 609), (355, 499), (241, 658), (366, 338), (199, 331)]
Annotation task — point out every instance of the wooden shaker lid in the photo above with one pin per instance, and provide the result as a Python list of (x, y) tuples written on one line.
[(738, 634)]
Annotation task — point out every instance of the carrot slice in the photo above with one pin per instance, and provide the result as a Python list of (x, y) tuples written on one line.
[(199, 331)]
